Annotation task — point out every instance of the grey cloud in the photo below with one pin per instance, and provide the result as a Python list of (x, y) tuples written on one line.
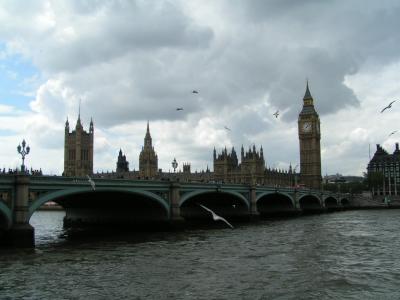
[(117, 28)]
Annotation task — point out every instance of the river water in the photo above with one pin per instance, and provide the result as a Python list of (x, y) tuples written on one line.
[(344, 255)]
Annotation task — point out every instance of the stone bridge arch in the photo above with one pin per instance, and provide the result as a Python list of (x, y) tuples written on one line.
[(345, 202), (5, 216), (58, 195), (331, 203), (275, 203), (229, 204), (310, 203)]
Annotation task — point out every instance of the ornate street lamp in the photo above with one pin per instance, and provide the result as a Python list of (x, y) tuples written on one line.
[(174, 164), (23, 152)]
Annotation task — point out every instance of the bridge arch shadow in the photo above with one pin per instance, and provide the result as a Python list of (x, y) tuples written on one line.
[(275, 204), (310, 204), (5, 217), (105, 206), (331, 204), (230, 205), (345, 203)]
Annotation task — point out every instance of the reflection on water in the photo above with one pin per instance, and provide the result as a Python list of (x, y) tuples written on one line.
[(347, 255)]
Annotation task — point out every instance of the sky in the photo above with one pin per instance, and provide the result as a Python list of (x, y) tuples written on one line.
[(130, 62)]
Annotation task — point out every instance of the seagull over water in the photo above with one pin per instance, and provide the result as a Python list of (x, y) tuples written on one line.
[(393, 132), (91, 182), (216, 217), (276, 114), (389, 106)]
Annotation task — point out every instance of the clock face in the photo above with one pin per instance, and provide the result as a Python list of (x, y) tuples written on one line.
[(306, 127)]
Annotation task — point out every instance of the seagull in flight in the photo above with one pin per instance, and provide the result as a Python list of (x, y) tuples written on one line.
[(276, 114), (91, 182), (389, 106), (195, 92), (179, 108), (216, 217), (227, 128), (393, 132)]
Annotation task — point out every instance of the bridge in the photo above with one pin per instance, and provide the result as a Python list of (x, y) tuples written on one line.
[(145, 202)]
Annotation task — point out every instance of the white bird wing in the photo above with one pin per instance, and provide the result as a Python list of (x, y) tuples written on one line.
[(215, 216), (207, 209), (222, 219)]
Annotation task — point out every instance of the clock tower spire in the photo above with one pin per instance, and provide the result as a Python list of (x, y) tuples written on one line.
[(310, 140)]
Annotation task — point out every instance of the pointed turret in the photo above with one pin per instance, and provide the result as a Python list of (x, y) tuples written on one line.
[(67, 125), (307, 95), (78, 122), (215, 154), (147, 138), (91, 128), (308, 103)]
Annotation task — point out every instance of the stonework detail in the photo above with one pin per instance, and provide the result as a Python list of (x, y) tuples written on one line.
[(78, 150), (309, 138), (384, 172), (250, 170), (148, 160)]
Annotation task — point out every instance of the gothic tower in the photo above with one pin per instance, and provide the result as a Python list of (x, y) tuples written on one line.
[(148, 160), (122, 163), (309, 137), (78, 150)]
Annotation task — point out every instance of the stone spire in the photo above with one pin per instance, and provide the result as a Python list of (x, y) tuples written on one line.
[(308, 99), (78, 122), (67, 125), (91, 128), (147, 138)]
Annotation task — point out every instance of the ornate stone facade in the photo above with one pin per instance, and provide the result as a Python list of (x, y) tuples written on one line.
[(148, 160), (122, 163), (252, 166), (78, 150), (385, 168), (310, 149), (251, 169)]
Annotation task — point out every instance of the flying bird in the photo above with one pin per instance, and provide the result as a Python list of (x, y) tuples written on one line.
[(276, 114), (227, 128), (195, 92), (179, 108), (216, 217), (389, 106), (91, 182), (393, 132)]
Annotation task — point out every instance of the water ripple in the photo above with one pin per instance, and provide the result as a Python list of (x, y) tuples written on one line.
[(348, 255)]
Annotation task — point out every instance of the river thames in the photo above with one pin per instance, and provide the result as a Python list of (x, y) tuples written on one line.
[(344, 255)]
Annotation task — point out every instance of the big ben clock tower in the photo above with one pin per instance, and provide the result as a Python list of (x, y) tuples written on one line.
[(309, 137)]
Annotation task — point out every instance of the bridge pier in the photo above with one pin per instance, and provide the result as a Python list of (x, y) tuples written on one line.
[(254, 214), (21, 233), (175, 210)]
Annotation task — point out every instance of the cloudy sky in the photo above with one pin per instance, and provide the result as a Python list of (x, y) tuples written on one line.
[(133, 61)]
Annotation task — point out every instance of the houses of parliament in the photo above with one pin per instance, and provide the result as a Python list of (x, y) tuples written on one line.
[(251, 169)]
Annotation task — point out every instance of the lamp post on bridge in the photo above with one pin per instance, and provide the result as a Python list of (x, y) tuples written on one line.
[(174, 164), (23, 152)]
